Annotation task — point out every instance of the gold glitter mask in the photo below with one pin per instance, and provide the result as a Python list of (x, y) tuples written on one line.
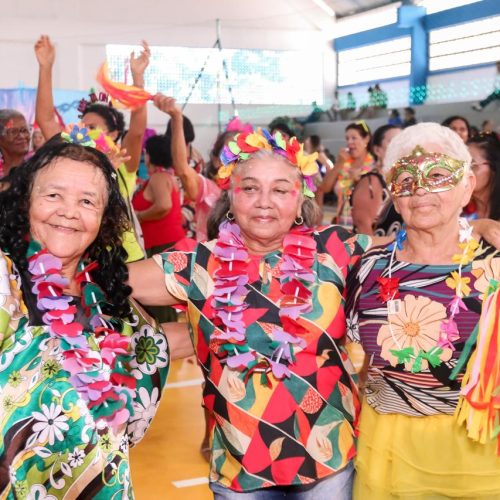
[(434, 172)]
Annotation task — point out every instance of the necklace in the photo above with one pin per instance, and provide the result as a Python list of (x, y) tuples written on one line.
[(389, 293), (229, 301), (98, 375)]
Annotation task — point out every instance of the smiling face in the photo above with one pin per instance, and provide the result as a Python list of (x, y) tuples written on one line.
[(67, 204), (266, 199), (94, 120), (356, 143), (15, 139)]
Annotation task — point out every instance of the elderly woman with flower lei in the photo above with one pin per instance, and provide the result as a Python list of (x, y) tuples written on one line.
[(81, 372), (419, 308), (266, 310)]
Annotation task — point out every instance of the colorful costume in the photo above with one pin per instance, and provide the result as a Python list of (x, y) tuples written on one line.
[(283, 405), (61, 432), (343, 188), (410, 446)]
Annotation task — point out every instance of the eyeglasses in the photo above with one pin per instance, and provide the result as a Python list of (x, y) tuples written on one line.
[(13, 132)]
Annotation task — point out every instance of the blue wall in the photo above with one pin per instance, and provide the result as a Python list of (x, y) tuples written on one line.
[(412, 21)]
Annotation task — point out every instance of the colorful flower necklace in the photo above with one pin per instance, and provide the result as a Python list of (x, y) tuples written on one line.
[(231, 278), (100, 376), (389, 293)]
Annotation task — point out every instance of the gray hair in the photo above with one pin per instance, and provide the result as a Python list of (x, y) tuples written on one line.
[(6, 115), (310, 212), (432, 137)]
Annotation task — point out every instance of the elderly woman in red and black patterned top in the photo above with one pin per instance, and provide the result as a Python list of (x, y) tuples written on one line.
[(266, 310)]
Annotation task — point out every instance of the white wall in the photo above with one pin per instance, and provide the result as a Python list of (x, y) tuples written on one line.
[(81, 29)]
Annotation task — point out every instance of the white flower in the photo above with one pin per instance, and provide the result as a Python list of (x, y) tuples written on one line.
[(75, 459), (38, 492), (144, 410), (353, 327), (50, 423), (124, 443)]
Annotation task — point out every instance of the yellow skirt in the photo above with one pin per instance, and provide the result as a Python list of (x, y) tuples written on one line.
[(410, 458)]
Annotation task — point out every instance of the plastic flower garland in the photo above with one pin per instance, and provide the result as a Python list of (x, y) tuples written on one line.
[(229, 301), (99, 375), (244, 145)]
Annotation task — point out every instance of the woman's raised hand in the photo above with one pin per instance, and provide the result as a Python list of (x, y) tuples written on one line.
[(139, 64), (118, 157), (45, 52), (343, 155), (167, 104)]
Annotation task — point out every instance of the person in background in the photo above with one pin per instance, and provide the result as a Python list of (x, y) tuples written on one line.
[(413, 307), (37, 138), (351, 102), (280, 126), (494, 96), (395, 118), (372, 208), (157, 201), (352, 162), (379, 97), (14, 140), (409, 117), (487, 127), (485, 152), (312, 144), (460, 125), (98, 113)]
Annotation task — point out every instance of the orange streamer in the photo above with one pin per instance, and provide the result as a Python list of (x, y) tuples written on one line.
[(128, 95)]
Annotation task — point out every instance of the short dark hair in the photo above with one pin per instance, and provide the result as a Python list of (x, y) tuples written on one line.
[(282, 127), (378, 136), (187, 125), (158, 149), (113, 118), (107, 249)]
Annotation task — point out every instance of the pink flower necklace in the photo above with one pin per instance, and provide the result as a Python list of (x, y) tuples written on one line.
[(229, 300), (99, 375), (389, 293)]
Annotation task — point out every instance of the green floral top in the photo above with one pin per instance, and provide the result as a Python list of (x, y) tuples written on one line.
[(50, 443)]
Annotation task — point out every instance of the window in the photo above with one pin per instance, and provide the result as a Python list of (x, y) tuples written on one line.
[(255, 76), (375, 62), (465, 44)]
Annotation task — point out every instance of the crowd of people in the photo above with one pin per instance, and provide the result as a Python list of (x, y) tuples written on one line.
[(357, 359)]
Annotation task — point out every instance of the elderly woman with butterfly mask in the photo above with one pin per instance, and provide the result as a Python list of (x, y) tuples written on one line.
[(418, 308)]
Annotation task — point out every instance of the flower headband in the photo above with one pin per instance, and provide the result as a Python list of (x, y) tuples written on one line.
[(244, 145), (95, 138)]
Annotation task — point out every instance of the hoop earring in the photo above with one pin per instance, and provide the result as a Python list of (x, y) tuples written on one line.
[(299, 220), (229, 216)]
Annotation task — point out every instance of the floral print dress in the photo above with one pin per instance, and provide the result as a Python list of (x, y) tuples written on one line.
[(51, 446)]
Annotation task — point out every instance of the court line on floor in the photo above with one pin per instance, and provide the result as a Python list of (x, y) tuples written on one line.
[(184, 383), (186, 483)]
